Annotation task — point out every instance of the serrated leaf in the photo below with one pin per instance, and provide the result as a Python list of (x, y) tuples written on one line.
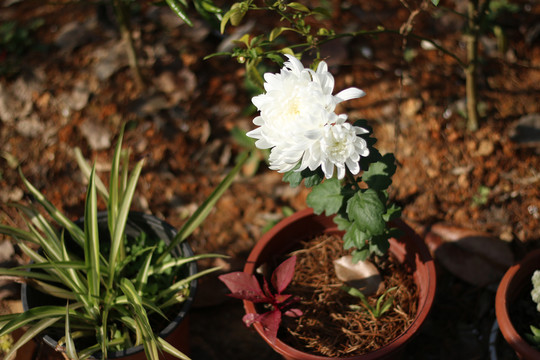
[(379, 245), (392, 213), (355, 237), (312, 178), (379, 174), (326, 197), (360, 254), (294, 178), (366, 210)]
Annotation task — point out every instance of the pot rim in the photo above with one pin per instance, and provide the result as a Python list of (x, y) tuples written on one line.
[(422, 258), (511, 283), (134, 217)]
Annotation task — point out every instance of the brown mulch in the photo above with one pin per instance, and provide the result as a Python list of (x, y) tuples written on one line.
[(331, 324)]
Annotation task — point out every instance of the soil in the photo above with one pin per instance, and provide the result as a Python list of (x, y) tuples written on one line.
[(66, 83), (333, 322)]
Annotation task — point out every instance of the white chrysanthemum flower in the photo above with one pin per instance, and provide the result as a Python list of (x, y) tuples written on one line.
[(294, 112), (339, 147), (535, 293)]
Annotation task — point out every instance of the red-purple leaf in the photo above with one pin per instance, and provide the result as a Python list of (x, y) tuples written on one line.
[(281, 298), (250, 318), (283, 274), (294, 313), (244, 286), (270, 322)]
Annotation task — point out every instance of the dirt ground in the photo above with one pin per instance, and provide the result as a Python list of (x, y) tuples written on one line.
[(65, 83)]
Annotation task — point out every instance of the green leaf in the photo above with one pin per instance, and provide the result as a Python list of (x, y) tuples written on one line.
[(435, 2), (141, 319), (34, 314), (275, 33), (86, 169), (312, 178), (298, 6), (379, 244), (360, 254), (326, 197), (366, 210), (91, 250), (168, 348), (294, 178), (120, 222), (29, 334), (202, 212), (71, 351), (379, 174), (237, 13), (354, 237), (113, 196), (392, 213), (61, 219), (182, 261), (176, 6)]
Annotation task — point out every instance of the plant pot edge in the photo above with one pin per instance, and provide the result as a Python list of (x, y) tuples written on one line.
[(176, 326), (511, 283), (388, 351)]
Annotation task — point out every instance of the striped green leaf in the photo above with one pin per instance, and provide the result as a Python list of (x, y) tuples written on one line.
[(91, 249), (30, 333), (61, 219), (141, 319), (202, 212), (120, 222)]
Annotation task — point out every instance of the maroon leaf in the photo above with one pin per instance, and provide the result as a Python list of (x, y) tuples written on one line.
[(270, 322), (244, 286), (283, 274), (294, 313), (250, 318), (281, 298)]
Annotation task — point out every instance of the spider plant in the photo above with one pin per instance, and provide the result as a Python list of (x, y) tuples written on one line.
[(87, 269)]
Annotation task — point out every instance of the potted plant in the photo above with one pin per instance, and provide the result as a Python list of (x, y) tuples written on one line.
[(350, 213), (113, 283), (517, 309)]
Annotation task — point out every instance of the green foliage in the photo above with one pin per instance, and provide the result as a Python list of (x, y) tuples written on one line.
[(361, 204), (534, 336), (482, 196), (206, 8), (381, 305), (15, 40), (112, 282)]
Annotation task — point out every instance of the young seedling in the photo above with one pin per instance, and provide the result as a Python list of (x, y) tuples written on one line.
[(381, 306), (246, 287)]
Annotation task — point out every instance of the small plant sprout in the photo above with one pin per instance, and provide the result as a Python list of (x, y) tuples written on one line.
[(535, 294), (246, 287), (381, 305)]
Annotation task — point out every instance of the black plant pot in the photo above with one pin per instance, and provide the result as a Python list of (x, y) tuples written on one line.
[(176, 331)]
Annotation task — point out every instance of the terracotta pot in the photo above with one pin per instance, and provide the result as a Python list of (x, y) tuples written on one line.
[(176, 332), (410, 249), (512, 283)]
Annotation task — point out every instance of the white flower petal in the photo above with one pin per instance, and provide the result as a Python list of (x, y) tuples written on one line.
[(348, 94)]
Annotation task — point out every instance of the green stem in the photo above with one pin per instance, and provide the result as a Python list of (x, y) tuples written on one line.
[(125, 31)]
